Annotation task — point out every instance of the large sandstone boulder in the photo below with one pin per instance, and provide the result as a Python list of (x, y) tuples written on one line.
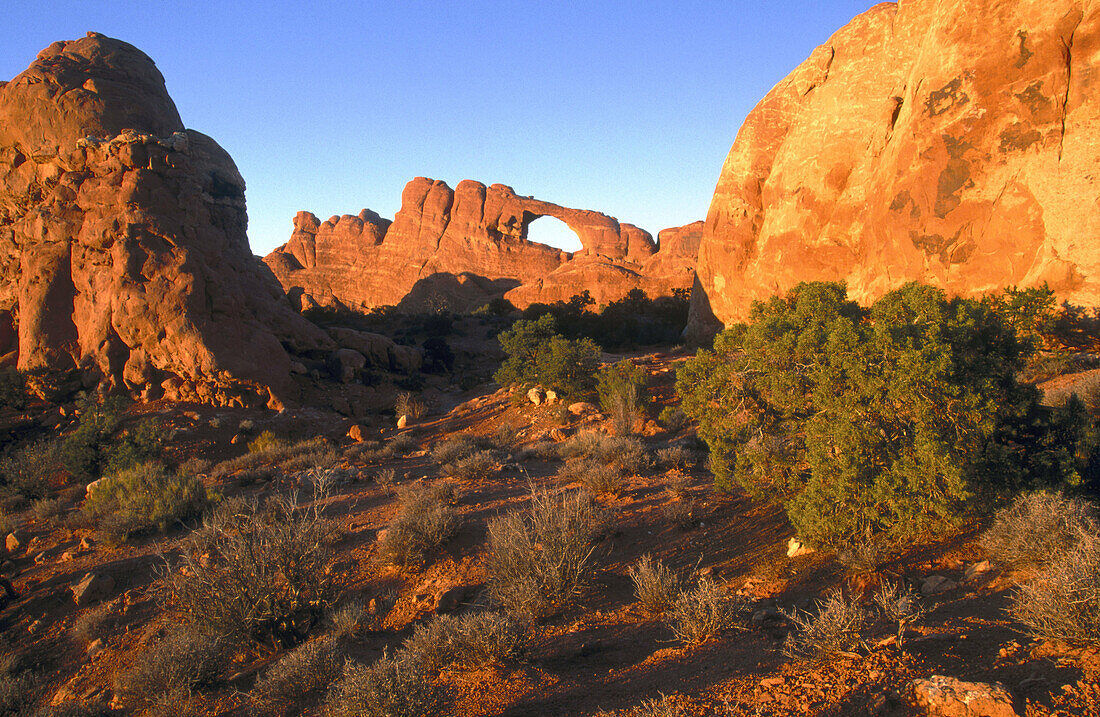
[(459, 248), (949, 141), (123, 253)]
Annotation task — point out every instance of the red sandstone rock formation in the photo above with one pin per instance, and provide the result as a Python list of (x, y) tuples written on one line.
[(465, 246), (123, 252), (947, 141)]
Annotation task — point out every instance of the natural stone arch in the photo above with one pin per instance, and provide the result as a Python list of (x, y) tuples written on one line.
[(551, 231)]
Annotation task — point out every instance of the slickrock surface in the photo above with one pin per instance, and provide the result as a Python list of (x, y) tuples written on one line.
[(123, 253), (949, 141), (467, 245)]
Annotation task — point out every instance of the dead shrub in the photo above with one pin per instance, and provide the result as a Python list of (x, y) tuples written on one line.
[(658, 707), (409, 404), (598, 477), (304, 671), (391, 687), (1038, 527), (184, 658), (655, 585), (703, 612), (540, 560), (386, 479), (1063, 603), (900, 605), (425, 521), (257, 571), (473, 640), (836, 629)]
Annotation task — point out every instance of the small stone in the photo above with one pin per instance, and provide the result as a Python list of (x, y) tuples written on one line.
[(95, 647), (42, 558), (34, 626), (86, 543), (935, 584), (236, 439), (403, 421), (551, 397), (357, 433), (451, 599), (581, 407), (14, 541), (796, 547), (247, 426), (771, 682), (949, 697), (93, 587), (536, 396), (977, 570), (67, 556)]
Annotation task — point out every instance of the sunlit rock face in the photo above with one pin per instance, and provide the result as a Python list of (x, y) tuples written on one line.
[(460, 248), (123, 254), (948, 141)]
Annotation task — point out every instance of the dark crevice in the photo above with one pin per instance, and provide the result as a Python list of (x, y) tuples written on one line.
[(1067, 51)]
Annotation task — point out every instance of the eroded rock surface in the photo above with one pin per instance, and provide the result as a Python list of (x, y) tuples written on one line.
[(123, 253), (947, 141), (464, 246)]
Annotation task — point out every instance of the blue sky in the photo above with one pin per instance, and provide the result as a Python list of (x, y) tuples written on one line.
[(628, 108)]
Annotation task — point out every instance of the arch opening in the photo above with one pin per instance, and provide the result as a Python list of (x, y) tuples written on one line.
[(554, 232)]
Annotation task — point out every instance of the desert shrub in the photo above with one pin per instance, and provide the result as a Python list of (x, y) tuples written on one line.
[(675, 458), (673, 418), (46, 509), (655, 585), (678, 485), (99, 445), (595, 475), (703, 612), (408, 404), (194, 466), (391, 687), (903, 420), (19, 687), (184, 658), (536, 354), (900, 605), (1063, 603), (505, 436), (1038, 527), (628, 453), (425, 521), (632, 320), (145, 497), (836, 629), (403, 443), (452, 448), (439, 357), (1031, 312), (472, 640), (267, 442), (13, 389), (476, 466), (864, 556), (7, 523), (92, 624), (621, 390), (386, 478), (31, 471), (259, 572), (306, 670), (540, 560), (679, 513)]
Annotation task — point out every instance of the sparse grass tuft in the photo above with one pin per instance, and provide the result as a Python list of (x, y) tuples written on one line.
[(1039, 527), (836, 629), (703, 612), (655, 585), (540, 560), (403, 443), (675, 458), (475, 466), (453, 448), (424, 522), (598, 477), (628, 453), (654, 707)]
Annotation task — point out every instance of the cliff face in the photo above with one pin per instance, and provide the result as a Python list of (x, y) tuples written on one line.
[(948, 141), (464, 246), (123, 253)]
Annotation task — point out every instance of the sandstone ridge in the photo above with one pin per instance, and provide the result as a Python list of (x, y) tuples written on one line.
[(950, 142), (123, 254), (464, 246)]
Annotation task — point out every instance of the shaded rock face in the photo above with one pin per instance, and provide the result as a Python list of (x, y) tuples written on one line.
[(123, 252), (949, 141), (464, 246)]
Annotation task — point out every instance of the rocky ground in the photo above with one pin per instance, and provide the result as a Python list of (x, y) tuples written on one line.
[(603, 656)]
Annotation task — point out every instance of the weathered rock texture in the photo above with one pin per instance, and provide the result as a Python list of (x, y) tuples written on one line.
[(123, 252), (467, 245), (955, 142)]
